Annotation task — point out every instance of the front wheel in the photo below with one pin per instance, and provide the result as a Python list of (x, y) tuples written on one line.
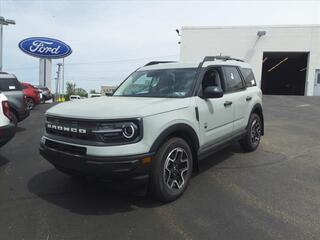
[(253, 136), (171, 170)]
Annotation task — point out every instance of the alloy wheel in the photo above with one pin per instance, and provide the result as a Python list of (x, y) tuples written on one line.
[(175, 168), (30, 103), (255, 132)]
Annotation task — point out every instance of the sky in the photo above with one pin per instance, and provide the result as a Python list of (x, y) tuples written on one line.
[(110, 39)]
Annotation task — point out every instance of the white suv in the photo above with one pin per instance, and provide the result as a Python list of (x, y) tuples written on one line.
[(7, 128), (160, 122)]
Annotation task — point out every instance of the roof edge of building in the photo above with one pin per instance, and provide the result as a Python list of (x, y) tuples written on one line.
[(251, 26)]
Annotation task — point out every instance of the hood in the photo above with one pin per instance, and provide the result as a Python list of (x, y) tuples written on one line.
[(117, 107)]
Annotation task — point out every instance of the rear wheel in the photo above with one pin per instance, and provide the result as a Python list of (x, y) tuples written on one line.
[(30, 103), (252, 139), (171, 170)]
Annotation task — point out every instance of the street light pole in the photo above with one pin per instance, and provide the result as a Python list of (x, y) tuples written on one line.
[(3, 21)]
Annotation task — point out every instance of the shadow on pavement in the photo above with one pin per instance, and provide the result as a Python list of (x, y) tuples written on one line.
[(20, 129), (218, 157), (88, 196), (94, 197), (3, 160)]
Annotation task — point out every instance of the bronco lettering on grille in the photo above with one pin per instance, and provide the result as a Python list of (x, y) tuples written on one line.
[(66, 129)]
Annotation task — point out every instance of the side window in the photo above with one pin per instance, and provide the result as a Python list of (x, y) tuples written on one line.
[(212, 78), (233, 79), (248, 77), (318, 80)]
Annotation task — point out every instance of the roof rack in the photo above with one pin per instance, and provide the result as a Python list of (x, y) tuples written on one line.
[(3, 72), (157, 62), (213, 58)]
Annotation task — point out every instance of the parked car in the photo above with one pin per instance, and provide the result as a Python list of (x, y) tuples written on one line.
[(74, 97), (158, 125), (32, 93), (92, 95), (46, 94), (7, 128), (12, 89)]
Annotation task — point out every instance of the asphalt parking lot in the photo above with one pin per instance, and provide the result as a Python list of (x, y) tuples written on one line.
[(273, 193)]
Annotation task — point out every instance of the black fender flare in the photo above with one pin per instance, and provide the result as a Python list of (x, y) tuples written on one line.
[(177, 129), (257, 108)]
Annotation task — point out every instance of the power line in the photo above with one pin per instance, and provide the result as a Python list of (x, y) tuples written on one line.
[(97, 62)]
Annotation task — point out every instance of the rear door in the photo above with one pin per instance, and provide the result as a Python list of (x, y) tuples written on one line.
[(236, 92)]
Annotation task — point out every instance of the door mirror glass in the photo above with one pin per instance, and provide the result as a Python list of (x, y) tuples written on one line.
[(213, 92)]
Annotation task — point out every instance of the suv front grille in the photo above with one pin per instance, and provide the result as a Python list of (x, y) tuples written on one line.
[(87, 132), (71, 128)]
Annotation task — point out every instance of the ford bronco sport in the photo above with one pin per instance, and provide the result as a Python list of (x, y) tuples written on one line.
[(159, 123)]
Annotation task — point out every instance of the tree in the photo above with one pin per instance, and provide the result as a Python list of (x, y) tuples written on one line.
[(73, 90), (93, 91), (81, 92)]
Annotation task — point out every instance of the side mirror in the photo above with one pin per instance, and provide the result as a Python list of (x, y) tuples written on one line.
[(212, 92)]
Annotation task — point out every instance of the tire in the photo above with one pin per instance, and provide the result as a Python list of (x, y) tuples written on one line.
[(30, 103), (14, 119), (170, 178), (253, 136)]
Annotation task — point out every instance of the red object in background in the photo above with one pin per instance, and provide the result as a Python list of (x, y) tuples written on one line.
[(32, 93)]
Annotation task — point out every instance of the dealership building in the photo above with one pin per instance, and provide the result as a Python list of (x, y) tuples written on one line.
[(285, 59)]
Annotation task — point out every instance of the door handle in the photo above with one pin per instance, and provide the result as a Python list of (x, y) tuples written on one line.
[(227, 103), (248, 98)]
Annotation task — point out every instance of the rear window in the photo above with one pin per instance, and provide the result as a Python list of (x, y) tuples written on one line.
[(248, 77), (10, 84)]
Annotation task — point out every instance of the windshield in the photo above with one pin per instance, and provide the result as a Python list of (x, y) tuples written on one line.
[(159, 83)]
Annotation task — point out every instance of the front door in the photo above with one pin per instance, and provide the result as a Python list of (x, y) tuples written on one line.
[(317, 83), (215, 114)]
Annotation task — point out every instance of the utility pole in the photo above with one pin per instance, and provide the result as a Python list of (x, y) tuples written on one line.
[(63, 77), (3, 21), (58, 81)]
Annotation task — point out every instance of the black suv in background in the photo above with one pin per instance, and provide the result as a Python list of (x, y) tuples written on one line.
[(12, 89), (46, 94)]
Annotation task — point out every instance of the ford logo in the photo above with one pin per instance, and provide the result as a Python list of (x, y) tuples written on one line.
[(42, 47)]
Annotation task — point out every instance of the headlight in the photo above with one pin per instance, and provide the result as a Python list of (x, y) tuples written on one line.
[(119, 132), (129, 130)]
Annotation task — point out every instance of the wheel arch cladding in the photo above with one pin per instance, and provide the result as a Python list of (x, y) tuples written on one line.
[(257, 109), (183, 131)]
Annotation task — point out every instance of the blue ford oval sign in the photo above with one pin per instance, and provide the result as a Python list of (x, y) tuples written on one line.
[(42, 47)]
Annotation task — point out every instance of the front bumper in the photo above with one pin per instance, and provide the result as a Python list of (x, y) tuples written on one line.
[(110, 168), (7, 133)]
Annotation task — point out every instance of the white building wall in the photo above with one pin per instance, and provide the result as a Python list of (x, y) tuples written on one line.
[(243, 43)]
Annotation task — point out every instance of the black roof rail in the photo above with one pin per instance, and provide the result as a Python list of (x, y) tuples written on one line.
[(213, 58), (3, 72), (157, 62)]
